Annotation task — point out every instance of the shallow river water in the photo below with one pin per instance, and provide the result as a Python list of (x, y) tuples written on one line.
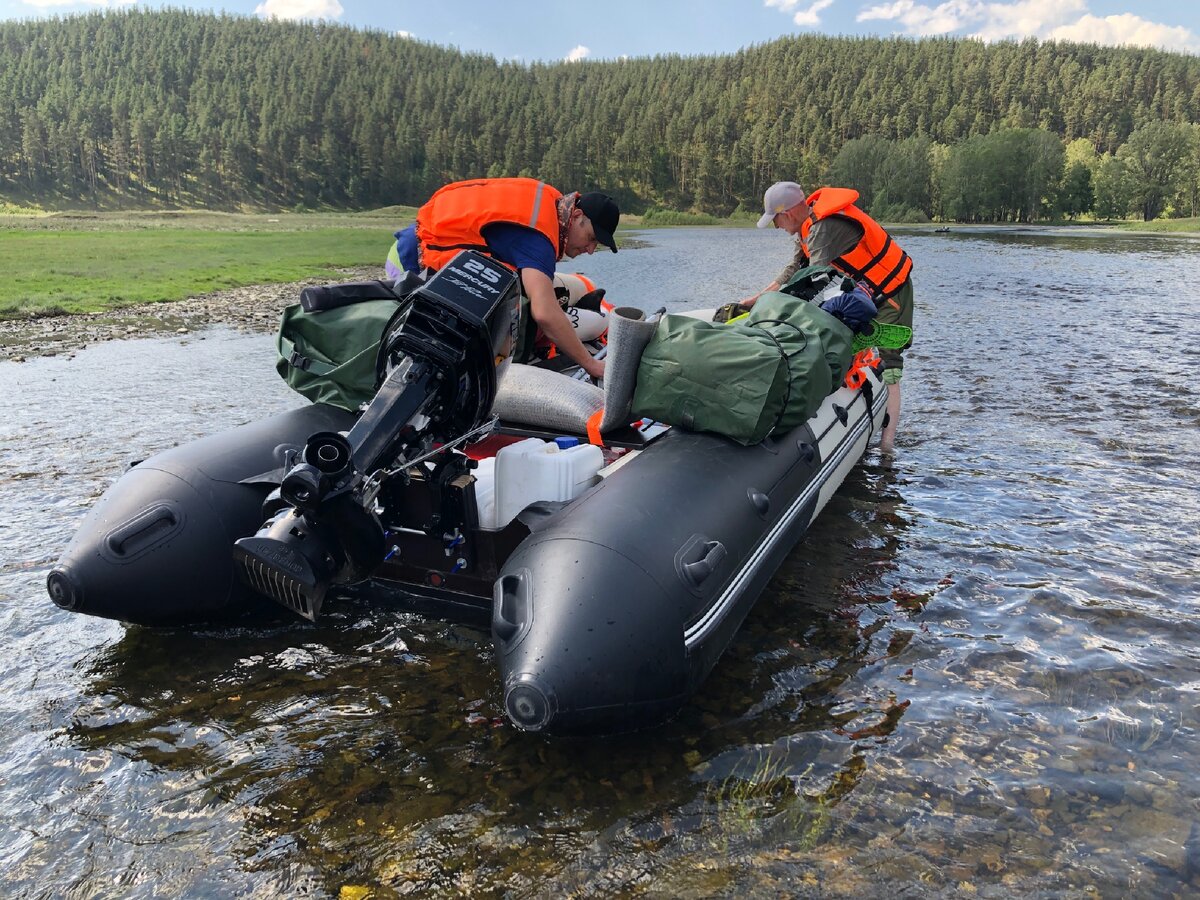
[(976, 676)]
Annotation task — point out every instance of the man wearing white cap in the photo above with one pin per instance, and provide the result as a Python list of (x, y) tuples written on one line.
[(831, 231)]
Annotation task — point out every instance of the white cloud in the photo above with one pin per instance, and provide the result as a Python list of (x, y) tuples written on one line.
[(299, 9), (954, 15), (811, 15), (1067, 20), (406, 34), (1026, 18), (1128, 29), (808, 16), (580, 52)]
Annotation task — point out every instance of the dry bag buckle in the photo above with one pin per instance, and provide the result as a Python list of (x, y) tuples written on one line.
[(299, 361)]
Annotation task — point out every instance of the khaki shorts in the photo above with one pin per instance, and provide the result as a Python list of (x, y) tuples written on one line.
[(896, 310)]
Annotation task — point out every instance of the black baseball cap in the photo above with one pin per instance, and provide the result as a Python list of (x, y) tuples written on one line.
[(604, 215)]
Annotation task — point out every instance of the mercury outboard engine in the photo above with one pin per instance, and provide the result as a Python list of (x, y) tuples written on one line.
[(442, 358)]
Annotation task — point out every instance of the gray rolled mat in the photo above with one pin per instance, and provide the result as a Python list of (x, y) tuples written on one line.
[(535, 396), (628, 334)]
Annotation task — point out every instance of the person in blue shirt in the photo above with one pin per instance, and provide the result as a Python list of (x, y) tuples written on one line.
[(581, 222)]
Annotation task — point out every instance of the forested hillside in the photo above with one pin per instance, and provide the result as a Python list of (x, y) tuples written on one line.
[(153, 108)]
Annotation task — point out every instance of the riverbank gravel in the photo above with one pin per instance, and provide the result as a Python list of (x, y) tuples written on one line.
[(253, 309)]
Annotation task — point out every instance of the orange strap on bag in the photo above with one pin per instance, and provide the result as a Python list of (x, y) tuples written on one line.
[(593, 427)]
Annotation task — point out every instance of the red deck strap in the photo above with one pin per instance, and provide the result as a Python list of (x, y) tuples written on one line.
[(489, 446)]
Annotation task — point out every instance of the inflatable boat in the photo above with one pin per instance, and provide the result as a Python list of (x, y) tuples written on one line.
[(613, 571)]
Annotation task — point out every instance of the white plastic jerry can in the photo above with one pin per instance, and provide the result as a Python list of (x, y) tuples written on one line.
[(533, 470)]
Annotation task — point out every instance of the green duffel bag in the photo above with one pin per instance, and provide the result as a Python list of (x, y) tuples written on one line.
[(818, 348), (727, 379), (766, 374), (329, 356)]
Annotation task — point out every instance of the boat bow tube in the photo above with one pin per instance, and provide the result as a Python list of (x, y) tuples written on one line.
[(155, 549)]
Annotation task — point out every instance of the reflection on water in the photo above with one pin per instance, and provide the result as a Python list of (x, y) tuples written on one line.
[(977, 675)]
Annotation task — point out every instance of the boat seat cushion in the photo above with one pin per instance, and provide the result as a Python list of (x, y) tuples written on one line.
[(535, 396)]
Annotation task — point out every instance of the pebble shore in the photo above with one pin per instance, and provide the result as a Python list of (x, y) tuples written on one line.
[(256, 308)]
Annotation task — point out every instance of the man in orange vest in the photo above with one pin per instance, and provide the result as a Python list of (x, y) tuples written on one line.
[(525, 224), (831, 231)]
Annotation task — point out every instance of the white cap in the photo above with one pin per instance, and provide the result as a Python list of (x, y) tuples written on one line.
[(780, 197)]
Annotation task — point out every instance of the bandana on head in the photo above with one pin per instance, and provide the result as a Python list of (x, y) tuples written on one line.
[(566, 205)]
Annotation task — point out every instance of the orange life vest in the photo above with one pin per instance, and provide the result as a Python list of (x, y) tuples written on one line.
[(876, 259), (453, 219)]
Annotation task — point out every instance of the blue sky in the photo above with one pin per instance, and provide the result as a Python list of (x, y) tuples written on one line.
[(609, 29)]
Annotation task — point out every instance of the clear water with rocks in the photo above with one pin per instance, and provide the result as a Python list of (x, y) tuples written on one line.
[(977, 675)]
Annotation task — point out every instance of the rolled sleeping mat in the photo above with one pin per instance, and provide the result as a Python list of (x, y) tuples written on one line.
[(628, 334), (536, 396), (572, 287), (588, 324)]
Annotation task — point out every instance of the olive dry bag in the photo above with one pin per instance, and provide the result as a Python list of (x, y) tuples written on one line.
[(329, 354)]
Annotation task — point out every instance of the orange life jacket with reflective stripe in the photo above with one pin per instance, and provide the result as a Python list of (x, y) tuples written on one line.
[(876, 258), (453, 219)]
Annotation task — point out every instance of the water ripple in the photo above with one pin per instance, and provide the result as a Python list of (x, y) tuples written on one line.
[(976, 675)]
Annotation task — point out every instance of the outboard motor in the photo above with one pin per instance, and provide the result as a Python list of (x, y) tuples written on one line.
[(443, 355)]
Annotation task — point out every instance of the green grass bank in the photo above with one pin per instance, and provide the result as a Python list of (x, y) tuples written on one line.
[(78, 262), (90, 262), (1166, 226)]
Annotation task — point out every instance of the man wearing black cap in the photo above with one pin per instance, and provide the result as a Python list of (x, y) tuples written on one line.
[(523, 223)]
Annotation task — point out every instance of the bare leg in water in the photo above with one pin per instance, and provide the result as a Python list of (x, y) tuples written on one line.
[(887, 438)]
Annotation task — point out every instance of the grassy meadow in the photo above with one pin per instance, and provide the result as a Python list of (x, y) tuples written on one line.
[(88, 262), (73, 262), (1167, 226)]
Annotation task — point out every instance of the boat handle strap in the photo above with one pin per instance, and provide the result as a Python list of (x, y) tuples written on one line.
[(698, 572)]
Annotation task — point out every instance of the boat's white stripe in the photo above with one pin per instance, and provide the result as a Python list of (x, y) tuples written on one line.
[(700, 630)]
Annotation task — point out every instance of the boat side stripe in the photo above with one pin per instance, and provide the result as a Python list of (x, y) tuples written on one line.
[(707, 623)]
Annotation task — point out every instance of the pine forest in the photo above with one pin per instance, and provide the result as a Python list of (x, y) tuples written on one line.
[(178, 109)]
